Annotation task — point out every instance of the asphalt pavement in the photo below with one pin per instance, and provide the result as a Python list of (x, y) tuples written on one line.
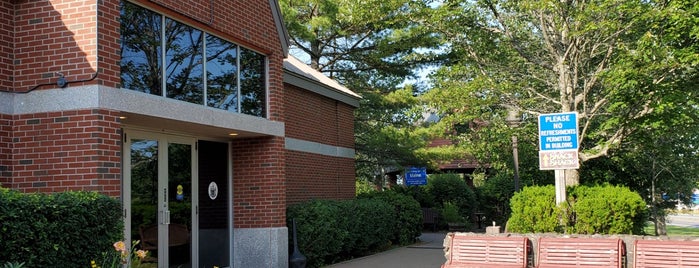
[(426, 253)]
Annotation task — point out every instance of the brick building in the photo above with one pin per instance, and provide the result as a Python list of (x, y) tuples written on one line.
[(190, 112)]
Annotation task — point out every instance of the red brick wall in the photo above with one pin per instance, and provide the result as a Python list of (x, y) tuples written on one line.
[(5, 150), (314, 176), (258, 182), (69, 150), (312, 117), (56, 36), (6, 44)]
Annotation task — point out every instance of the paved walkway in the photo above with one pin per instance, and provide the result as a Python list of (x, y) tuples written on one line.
[(426, 253)]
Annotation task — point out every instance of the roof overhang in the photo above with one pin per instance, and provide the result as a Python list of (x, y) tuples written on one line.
[(301, 75), (281, 28)]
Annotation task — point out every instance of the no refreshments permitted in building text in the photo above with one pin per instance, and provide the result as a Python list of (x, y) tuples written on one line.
[(558, 141)]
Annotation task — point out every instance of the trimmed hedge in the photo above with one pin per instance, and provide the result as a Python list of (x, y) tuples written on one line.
[(329, 231), (58, 230), (589, 210), (408, 215), (608, 210), (534, 211)]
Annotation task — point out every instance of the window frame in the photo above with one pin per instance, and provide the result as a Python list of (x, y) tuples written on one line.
[(263, 108)]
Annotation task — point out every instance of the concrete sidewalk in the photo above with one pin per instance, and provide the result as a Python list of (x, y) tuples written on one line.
[(426, 253)]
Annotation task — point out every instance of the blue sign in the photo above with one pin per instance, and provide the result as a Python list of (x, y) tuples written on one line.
[(416, 176), (558, 131)]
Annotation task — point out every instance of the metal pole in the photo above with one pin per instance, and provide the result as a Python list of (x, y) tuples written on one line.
[(516, 160)]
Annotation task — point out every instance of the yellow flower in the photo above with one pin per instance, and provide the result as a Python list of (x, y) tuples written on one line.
[(141, 253), (120, 246), (93, 264)]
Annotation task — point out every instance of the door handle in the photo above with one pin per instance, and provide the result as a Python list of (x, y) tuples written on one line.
[(166, 216)]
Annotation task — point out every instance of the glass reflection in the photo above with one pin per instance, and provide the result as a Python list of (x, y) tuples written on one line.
[(141, 55), (252, 83), (235, 77), (144, 196), (184, 62), (221, 73), (180, 204)]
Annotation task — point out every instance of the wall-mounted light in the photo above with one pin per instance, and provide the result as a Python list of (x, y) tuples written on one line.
[(61, 82)]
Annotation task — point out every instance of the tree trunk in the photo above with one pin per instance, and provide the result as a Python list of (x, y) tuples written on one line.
[(572, 177)]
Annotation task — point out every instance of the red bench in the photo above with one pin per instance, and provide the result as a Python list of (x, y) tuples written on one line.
[(580, 252), (670, 254), (485, 251)]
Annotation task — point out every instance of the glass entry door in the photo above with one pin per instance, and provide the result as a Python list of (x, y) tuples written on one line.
[(159, 183)]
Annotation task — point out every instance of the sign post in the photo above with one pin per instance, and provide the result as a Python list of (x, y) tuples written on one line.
[(558, 147)]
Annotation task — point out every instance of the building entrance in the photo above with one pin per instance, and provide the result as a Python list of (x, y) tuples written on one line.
[(177, 208)]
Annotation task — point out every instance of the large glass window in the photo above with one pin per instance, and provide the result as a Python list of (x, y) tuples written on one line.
[(141, 53), (221, 73), (183, 61), (231, 78), (252, 80)]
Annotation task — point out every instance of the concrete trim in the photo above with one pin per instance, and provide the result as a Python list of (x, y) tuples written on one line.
[(261, 247), (100, 97), (317, 148), (7, 101)]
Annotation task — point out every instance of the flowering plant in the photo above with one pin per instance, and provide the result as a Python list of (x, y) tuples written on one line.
[(121, 256)]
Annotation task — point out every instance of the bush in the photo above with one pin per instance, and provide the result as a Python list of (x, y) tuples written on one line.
[(329, 231), (59, 230), (370, 224), (494, 197), (407, 214), (319, 230), (608, 210), (419, 193), (452, 188), (594, 210), (534, 211)]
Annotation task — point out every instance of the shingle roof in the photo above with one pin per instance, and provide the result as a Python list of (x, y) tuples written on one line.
[(300, 74)]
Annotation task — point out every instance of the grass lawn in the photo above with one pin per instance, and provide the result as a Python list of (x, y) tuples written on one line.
[(674, 230)]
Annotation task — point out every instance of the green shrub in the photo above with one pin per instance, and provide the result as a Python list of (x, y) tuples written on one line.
[(364, 186), (406, 212), (58, 230), (494, 195), (534, 211), (329, 231), (370, 223), (450, 213), (319, 229), (452, 188), (594, 210), (608, 210)]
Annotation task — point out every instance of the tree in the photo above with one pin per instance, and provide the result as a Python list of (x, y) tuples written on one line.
[(606, 60), (370, 47)]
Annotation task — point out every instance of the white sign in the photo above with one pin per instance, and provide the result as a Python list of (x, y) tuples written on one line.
[(213, 190), (566, 159)]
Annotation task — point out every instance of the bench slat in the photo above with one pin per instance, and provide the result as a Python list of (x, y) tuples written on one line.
[(579, 252), (666, 254), (477, 251)]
